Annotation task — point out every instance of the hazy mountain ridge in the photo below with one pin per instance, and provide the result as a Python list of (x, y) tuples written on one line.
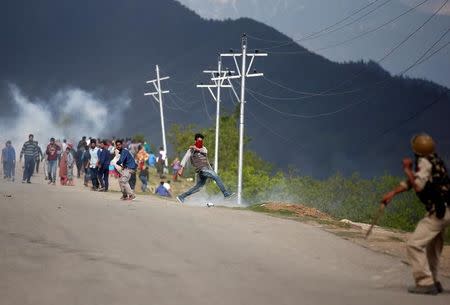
[(111, 47)]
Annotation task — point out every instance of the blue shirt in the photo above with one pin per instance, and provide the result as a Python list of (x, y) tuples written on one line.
[(8, 154), (126, 160), (162, 191), (104, 157), (152, 160)]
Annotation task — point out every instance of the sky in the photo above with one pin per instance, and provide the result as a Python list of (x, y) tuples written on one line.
[(298, 18)]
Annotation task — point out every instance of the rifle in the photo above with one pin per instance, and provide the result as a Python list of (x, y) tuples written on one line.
[(376, 218)]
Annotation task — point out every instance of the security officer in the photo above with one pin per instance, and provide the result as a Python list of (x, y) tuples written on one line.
[(431, 182)]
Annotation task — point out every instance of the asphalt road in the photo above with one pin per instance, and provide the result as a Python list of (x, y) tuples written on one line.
[(61, 245)]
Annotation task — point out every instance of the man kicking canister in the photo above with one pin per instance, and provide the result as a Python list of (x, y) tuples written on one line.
[(197, 155)]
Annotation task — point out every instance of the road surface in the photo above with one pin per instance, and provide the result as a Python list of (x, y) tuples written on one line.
[(62, 245)]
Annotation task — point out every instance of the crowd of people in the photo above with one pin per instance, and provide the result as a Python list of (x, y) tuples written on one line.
[(94, 161)]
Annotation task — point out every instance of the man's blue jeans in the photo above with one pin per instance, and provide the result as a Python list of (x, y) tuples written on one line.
[(52, 165), (144, 183), (28, 169), (203, 176), (5, 169), (9, 169)]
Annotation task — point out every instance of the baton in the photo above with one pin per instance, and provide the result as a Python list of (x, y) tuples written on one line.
[(377, 217)]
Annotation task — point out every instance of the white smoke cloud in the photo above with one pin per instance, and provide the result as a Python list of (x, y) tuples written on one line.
[(203, 199), (69, 113)]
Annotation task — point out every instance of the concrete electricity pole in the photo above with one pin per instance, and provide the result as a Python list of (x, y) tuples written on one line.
[(242, 72), (157, 95), (218, 84)]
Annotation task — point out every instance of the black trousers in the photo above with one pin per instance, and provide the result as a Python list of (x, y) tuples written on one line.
[(38, 161), (94, 177), (79, 165), (133, 180), (103, 177)]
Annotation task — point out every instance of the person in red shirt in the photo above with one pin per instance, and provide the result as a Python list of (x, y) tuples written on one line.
[(52, 157)]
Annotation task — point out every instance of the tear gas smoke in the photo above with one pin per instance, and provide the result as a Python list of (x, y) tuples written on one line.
[(70, 114), (202, 199)]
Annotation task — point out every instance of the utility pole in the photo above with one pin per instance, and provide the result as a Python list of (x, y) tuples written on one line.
[(243, 72), (157, 95), (218, 84)]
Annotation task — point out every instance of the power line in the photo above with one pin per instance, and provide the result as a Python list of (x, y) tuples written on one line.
[(206, 107), (287, 88), (232, 98), (261, 123), (421, 59), (287, 140), (355, 37), (183, 100), (399, 45), (302, 98), (390, 52), (334, 30), (320, 31), (413, 32), (177, 106), (435, 52), (311, 116), (265, 126), (313, 94), (408, 119)]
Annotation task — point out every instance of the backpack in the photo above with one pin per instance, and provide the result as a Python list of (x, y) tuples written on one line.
[(436, 192)]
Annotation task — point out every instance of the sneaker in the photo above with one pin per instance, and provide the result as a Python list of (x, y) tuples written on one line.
[(101, 189), (23, 181), (231, 195), (131, 197), (179, 199), (439, 287), (49, 182), (429, 290), (124, 197), (29, 182)]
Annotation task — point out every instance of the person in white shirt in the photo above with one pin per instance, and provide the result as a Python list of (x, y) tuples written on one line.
[(160, 162), (64, 145), (93, 164), (167, 186)]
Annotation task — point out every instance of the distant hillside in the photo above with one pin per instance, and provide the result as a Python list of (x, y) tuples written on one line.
[(111, 47)]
